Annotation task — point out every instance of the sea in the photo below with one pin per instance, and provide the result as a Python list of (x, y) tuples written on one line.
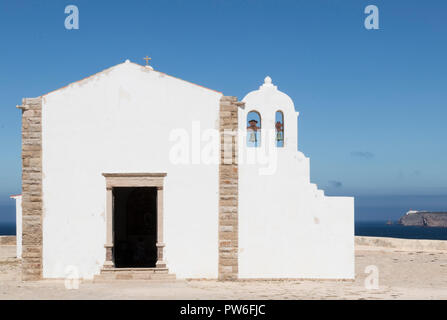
[(395, 230), (370, 229), (7, 228)]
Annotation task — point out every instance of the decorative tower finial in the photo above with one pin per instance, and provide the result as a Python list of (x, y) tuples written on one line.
[(268, 83), (267, 80)]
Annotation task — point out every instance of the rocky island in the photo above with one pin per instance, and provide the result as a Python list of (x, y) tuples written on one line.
[(424, 219)]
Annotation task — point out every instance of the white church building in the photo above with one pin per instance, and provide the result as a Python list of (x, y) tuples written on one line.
[(135, 174)]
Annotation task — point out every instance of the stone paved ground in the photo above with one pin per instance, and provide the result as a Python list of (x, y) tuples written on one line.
[(402, 275)]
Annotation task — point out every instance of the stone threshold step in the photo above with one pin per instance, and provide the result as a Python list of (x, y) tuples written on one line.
[(135, 276), (147, 281), (136, 270)]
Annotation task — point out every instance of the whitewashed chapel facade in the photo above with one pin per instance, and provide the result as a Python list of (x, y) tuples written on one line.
[(132, 173)]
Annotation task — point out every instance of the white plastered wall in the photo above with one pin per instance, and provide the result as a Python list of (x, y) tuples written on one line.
[(287, 227), (120, 121)]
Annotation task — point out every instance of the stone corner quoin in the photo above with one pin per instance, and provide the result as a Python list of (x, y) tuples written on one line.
[(228, 190), (31, 188)]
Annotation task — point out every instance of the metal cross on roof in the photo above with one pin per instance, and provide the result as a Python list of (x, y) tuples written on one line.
[(147, 60)]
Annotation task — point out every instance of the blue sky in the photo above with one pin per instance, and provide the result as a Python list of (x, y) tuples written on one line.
[(372, 103)]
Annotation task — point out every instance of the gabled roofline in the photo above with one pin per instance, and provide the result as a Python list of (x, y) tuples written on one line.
[(177, 78), (127, 61)]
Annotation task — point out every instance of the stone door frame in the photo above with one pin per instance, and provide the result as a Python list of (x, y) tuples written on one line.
[(114, 180)]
